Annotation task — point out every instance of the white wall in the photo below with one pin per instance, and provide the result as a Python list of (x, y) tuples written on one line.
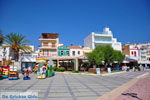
[(88, 41), (5, 53), (76, 52), (132, 52), (1, 49), (29, 57)]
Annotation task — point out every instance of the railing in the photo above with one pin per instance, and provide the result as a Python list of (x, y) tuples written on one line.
[(102, 34), (47, 38), (48, 45), (51, 55), (103, 39)]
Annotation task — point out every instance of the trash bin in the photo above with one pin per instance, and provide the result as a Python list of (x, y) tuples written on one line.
[(109, 70)]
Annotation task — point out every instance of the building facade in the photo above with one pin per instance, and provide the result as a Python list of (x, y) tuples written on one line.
[(76, 51), (49, 44), (104, 38), (63, 51), (138, 52), (28, 60), (5, 53)]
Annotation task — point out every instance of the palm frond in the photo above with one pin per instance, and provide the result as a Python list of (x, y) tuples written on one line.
[(25, 49), (1, 37), (17, 43)]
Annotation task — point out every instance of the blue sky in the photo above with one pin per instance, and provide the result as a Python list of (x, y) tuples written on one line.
[(129, 20)]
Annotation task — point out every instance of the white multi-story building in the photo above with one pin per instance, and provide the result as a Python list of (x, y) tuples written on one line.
[(144, 52), (138, 52), (105, 38)]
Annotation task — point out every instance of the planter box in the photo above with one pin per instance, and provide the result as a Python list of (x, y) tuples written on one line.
[(102, 69), (92, 70)]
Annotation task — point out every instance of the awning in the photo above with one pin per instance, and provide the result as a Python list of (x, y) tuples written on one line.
[(125, 61), (40, 61), (144, 62), (130, 59)]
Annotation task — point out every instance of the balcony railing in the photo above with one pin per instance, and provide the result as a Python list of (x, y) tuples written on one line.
[(50, 55), (101, 34), (47, 45), (41, 38), (103, 39)]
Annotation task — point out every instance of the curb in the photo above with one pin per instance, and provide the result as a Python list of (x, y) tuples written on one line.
[(113, 73), (107, 74)]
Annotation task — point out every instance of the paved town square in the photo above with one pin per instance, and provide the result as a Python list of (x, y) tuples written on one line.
[(69, 86), (74, 50)]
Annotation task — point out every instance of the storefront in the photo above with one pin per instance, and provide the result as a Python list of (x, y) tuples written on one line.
[(28, 60)]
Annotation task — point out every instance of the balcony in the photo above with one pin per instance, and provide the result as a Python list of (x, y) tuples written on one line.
[(48, 46), (103, 35), (46, 55), (103, 42), (45, 39)]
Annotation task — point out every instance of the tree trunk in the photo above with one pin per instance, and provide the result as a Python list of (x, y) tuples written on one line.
[(105, 64), (16, 55)]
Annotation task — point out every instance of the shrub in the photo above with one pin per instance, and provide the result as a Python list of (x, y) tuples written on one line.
[(75, 71), (61, 69), (55, 68)]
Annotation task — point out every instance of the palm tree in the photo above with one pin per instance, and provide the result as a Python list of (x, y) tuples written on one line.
[(17, 43), (1, 37)]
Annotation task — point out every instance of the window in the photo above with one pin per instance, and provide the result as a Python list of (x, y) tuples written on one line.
[(4, 49), (45, 52), (45, 43), (53, 45), (103, 39), (134, 53), (73, 53), (67, 52), (61, 53), (78, 52)]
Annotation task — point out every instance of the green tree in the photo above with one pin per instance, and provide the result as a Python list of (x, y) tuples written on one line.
[(96, 56), (104, 54), (108, 54), (118, 56), (17, 43)]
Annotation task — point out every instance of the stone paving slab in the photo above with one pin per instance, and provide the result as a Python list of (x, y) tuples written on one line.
[(116, 92), (141, 88), (69, 86)]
